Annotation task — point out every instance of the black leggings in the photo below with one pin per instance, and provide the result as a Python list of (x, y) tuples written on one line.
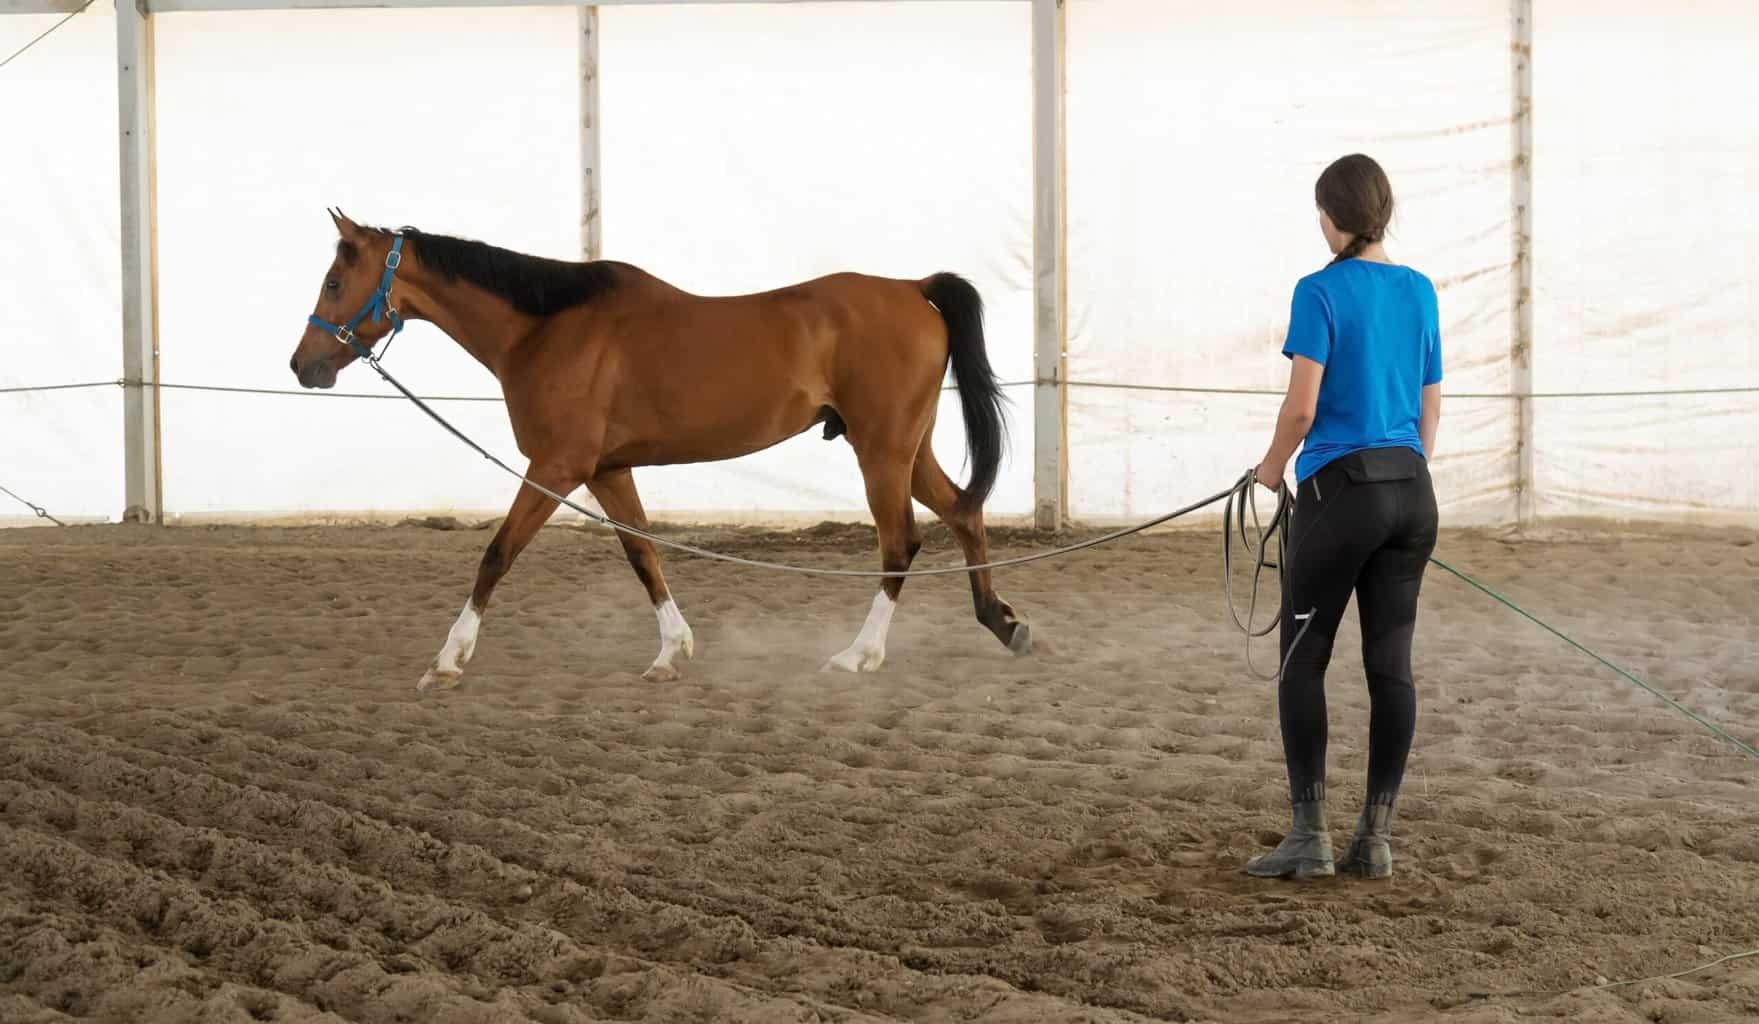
[(1365, 523)]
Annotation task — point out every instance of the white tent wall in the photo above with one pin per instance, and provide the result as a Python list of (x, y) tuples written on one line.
[(1646, 219), (745, 148), (60, 283), (459, 121), (1195, 134), (750, 146)]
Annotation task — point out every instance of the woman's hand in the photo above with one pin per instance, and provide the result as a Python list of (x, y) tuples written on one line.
[(1270, 474)]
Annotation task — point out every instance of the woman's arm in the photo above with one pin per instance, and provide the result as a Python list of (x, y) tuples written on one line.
[(1429, 419), (1295, 419)]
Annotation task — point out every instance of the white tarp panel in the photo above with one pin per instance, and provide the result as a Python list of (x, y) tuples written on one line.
[(751, 146), (1195, 133), (60, 279), (745, 148), (748, 147), (456, 121), (1646, 218)]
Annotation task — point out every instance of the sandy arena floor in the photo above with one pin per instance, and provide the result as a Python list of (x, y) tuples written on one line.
[(220, 799)]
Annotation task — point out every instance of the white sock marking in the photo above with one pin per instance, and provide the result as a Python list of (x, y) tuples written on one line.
[(460, 642), (868, 651), (675, 636)]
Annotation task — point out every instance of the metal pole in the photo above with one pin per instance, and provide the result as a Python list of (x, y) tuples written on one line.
[(1049, 282), (143, 501), (1521, 351), (592, 244)]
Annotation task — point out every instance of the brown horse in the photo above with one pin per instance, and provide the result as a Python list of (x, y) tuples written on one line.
[(605, 367)]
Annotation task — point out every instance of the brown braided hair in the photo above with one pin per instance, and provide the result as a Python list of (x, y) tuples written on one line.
[(1355, 193)]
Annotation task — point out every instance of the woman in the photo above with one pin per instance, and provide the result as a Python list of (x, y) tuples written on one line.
[(1365, 397)]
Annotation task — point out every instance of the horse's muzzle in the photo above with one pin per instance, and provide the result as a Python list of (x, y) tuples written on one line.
[(319, 373)]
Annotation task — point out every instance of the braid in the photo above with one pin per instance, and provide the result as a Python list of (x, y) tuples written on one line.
[(1349, 252)]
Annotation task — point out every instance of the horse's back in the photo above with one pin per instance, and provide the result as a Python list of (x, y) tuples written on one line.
[(809, 318)]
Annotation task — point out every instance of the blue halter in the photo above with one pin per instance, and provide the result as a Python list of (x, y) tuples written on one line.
[(378, 306)]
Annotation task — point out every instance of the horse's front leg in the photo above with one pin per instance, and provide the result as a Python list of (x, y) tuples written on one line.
[(531, 509), (616, 492)]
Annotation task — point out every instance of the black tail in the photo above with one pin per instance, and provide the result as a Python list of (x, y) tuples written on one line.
[(980, 394)]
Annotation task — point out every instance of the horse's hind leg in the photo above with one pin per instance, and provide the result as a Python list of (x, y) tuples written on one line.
[(530, 511), (616, 492), (931, 486), (887, 472)]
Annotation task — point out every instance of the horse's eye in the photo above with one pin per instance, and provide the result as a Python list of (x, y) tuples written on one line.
[(332, 285)]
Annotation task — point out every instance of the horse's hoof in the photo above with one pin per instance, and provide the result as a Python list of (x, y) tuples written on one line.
[(435, 680), (1021, 642), (660, 674), (853, 660)]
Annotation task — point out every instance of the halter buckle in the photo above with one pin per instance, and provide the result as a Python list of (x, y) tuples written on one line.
[(393, 260)]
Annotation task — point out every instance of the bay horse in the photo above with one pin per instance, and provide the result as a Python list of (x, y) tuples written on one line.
[(605, 367)]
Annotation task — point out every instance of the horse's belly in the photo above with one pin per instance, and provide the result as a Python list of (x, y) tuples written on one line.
[(699, 434)]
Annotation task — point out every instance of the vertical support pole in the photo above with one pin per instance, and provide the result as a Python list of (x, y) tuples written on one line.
[(140, 269), (1049, 270), (1521, 353), (592, 244)]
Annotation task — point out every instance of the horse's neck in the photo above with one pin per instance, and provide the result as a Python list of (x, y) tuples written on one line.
[(485, 326)]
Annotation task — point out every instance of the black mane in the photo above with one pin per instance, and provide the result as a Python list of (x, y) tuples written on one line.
[(534, 285)]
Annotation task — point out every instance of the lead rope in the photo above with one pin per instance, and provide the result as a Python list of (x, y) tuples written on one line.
[(1245, 484), (1240, 498)]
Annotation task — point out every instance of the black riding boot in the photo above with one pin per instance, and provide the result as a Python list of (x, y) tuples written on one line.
[(1370, 854), (1304, 853)]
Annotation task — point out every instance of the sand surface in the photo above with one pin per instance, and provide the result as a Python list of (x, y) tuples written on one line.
[(220, 799)]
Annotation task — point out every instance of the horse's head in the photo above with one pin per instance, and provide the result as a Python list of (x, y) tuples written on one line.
[(354, 304)]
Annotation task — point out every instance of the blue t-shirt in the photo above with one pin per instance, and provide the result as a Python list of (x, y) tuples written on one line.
[(1374, 327)]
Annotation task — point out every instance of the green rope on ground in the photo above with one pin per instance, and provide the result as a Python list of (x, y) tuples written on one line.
[(1681, 974), (1604, 986), (1743, 747)]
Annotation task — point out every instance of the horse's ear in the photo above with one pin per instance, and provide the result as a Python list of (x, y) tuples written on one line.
[(345, 227)]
